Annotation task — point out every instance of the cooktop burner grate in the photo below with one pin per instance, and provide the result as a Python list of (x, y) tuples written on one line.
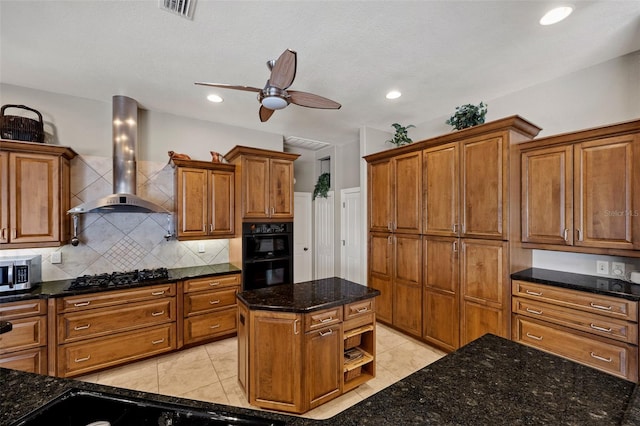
[(116, 279)]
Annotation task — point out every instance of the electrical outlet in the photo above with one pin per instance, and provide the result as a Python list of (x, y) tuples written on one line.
[(56, 257), (617, 269), (602, 267), (200, 247)]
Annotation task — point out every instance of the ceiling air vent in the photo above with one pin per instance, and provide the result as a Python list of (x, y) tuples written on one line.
[(183, 8)]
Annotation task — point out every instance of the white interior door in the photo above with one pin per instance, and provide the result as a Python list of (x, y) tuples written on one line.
[(302, 233), (323, 224), (351, 247)]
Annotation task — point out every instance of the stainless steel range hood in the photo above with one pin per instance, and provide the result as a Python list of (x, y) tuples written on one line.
[(125, 140)]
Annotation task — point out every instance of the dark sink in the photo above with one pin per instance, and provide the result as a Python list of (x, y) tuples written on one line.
[(79, 408)]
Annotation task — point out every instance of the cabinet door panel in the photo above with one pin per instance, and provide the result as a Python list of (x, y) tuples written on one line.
[(380, 251), (484, 189), (380, 189), (604, 209), (222, 201), (192, 202), (547, 195), (441, 190), (407, 282), (408, 193), (4, 197), (255, 187), (323, 364), (384, 302), (478, 320), (281, 191), (484, 266), (35, 187)]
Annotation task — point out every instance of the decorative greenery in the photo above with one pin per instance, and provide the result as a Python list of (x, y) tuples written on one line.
[(322, 186), (468, 116), (401, 137)]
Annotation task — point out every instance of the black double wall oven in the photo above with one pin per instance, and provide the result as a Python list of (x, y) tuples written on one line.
[(267, 254)]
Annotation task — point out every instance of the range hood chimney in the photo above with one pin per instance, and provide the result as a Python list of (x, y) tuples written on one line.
[(125, 141)]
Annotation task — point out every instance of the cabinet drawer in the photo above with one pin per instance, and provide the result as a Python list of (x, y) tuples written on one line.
[(27, 333), (31, 360), (211, 283), (604, 305), (579, 320), (85, 356), (323, 318), (100, 322), (205, 326), (355, 309), (22, 309), (195, 303), (613, 357), (117, 297)]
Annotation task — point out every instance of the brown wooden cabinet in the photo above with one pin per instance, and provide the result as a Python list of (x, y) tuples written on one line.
[(25, 346), (265, 182), (592, 329), (35, 195), (210, 308), (323, 364), (441, 190), (579, 191), (205, 200), (99, 330), (407, 283)]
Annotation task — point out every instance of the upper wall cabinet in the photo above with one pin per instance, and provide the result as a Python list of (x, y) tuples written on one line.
[(204, 199), (35, 195), (581, 190), (265, 183), (441, 190)]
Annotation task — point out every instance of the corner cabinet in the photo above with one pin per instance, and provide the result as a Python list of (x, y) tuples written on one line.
[(265, 183), (580, 191), (35, 194), (205, 197)]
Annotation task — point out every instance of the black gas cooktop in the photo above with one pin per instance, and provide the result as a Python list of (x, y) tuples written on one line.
[(116, 279)]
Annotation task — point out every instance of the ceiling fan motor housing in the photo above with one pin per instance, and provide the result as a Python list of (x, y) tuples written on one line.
[(273, 98)]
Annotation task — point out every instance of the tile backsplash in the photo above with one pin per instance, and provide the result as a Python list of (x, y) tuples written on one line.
[(124, 241)]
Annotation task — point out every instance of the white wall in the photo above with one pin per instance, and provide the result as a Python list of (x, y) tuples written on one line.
[(603, 94)]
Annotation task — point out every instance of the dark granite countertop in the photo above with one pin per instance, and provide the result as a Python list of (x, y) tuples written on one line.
[(307, 296), (59, 288), (491, 381), (593, 284)]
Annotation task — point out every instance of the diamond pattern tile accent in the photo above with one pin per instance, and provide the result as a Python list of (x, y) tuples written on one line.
[(125, 254)]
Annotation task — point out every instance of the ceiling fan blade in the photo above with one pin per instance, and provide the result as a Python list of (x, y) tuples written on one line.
[(230, 86), (310, 100), (265, 113), (284, 71)]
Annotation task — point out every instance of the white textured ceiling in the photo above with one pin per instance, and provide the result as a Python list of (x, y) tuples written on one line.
[(438, 53)]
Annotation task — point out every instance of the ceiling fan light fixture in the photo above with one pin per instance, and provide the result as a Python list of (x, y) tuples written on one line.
[(394, 94), (556, 15), (274, 102), (214, 98)]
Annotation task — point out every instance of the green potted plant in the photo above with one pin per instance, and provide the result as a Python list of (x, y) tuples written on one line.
[(322, 186), (401, 136), (468, 116)]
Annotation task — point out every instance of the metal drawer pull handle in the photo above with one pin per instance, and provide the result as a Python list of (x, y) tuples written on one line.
[(361, 310), (82, 304), (155, 342), (533, 293), (215, 326), (156, 314), (326, 333), (157, 293), (212, 283), (599, 357), (534, 337), (214, 302), (606, 330), (82, 327), (326, 320), (566, 234), (295, 326), (606, 308), (533, 311), (83, 359)]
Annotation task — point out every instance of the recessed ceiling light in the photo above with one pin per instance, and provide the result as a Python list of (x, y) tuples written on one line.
[(556, 15), (214, 98), (394, 94)]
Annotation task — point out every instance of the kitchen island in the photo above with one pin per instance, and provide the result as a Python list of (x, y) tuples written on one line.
[(490, 381), (301, 345)]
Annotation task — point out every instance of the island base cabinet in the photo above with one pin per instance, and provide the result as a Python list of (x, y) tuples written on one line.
[(323, 362)]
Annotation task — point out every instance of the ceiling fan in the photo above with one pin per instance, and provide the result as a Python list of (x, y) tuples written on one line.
[(275, 95)]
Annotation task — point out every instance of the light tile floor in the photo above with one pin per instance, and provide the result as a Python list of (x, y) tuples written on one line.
[(209, 372)]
